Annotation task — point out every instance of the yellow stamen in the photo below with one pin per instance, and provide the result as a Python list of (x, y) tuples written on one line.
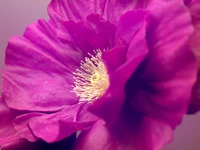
[(91, 80)]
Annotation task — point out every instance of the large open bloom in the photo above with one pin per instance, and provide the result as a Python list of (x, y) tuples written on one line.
[(121, 71)]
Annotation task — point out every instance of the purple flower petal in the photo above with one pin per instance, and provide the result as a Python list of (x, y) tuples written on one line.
[(89, 34), (164, 81), (10, 139), (127, 29), (167, 37), (8, 133), (38, 70), (39, 145), (137, 46), (64, 10), (127, 64), (62, 123), (112, 63), (195, 101), (194, 8), (20, 144), (148, 134)]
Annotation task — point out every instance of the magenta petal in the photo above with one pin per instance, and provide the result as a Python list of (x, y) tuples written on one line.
[(167, 39), (21, 144), (195, 101), (127, 64), (55, 127), (149, 134), (167, 100), (127, 28), (21, 124), (187, 1), (8, 134), (115, 94), (38, 70), (137, 50), (164, 82), (10, 139), (89, 34), (65, 10), (103, 107), (194, 7), (119, 53)]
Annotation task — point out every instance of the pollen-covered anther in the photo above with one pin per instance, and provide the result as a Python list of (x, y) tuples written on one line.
[(91, 79)]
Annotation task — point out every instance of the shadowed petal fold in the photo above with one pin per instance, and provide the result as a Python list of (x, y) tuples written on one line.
[(63, 123), (8, 133), (139, 136), (128, 62), (194, 7), (165, 79), (88, 35)]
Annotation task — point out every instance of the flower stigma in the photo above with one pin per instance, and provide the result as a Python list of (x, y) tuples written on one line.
[(91, 79)]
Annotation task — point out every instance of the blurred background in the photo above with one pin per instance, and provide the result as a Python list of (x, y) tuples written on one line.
[(15, 15)]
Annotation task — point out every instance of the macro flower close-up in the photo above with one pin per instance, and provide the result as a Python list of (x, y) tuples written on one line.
[(121, 74)]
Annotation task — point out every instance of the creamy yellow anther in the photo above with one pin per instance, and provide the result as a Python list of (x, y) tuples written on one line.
[(91, 79), (95, 78)]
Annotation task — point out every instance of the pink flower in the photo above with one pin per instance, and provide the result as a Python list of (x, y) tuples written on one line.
[(120, 71)]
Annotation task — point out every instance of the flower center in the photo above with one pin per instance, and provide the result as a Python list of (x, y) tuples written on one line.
[(95, 78), (91, 79)]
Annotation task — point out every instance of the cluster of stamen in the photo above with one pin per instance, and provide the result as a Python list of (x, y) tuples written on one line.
[(91, 79)]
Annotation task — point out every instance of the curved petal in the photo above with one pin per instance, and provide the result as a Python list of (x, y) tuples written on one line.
[(167, 38), (89, 34), (137, 48), (163, 83), (56, 126), (112, 63), (128, 59), (65, 10), (38, 70), (194, 8), (195, 101), (148, 134), (9, 137), (21, 144), (65, 144), (129, 24), (8, 133)]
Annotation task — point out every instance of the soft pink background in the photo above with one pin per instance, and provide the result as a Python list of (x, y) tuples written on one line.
[(15, 15)]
